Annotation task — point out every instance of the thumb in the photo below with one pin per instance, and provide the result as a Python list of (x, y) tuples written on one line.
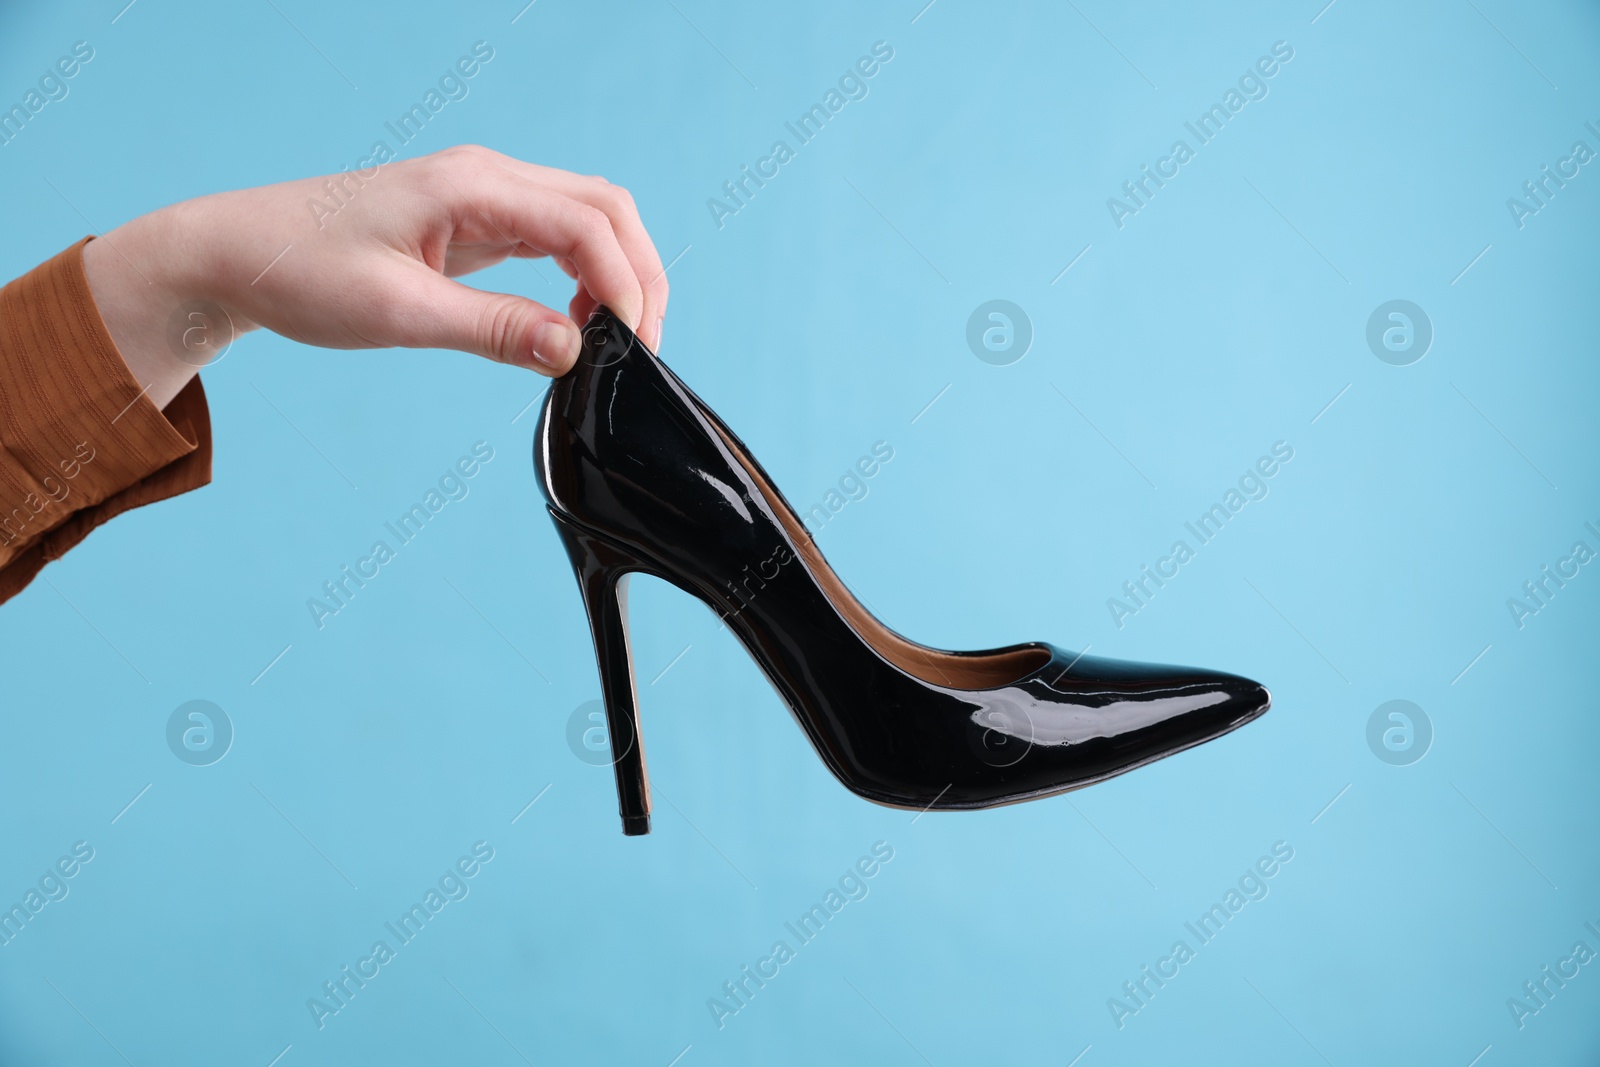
[(498, 326)]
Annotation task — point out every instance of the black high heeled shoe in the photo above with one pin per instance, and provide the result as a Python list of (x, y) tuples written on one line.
[(641, 476)]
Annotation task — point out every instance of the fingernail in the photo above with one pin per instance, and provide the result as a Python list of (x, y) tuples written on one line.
[(659, 320), (555, 345)]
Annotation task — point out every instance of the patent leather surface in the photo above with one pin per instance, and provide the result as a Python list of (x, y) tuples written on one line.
[(642, 477)]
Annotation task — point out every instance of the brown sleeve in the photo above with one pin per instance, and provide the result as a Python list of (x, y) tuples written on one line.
[(79, 441)]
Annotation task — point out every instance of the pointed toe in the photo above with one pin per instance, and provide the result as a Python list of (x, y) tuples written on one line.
[(1082, 719), (1245, 701), (1223, 703)]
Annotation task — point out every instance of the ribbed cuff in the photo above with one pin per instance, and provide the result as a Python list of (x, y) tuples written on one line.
[(79, 440)]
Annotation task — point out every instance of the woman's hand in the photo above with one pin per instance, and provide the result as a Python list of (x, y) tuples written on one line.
[(372, 267)]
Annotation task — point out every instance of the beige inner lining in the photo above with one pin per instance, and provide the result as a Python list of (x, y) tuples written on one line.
[(949, 669)]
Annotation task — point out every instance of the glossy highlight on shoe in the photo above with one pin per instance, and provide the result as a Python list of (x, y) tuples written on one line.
[(640, 476)]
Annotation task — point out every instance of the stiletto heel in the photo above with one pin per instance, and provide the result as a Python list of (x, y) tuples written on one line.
[(602, 571), (641, 475)]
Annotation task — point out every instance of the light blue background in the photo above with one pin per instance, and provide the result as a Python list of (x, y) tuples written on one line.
[(822, 318)]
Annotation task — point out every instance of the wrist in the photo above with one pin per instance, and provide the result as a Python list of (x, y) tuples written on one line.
[(148, 281)]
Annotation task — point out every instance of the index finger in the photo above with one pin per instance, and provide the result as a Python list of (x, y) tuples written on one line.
[(619, 207), (551, 223)]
